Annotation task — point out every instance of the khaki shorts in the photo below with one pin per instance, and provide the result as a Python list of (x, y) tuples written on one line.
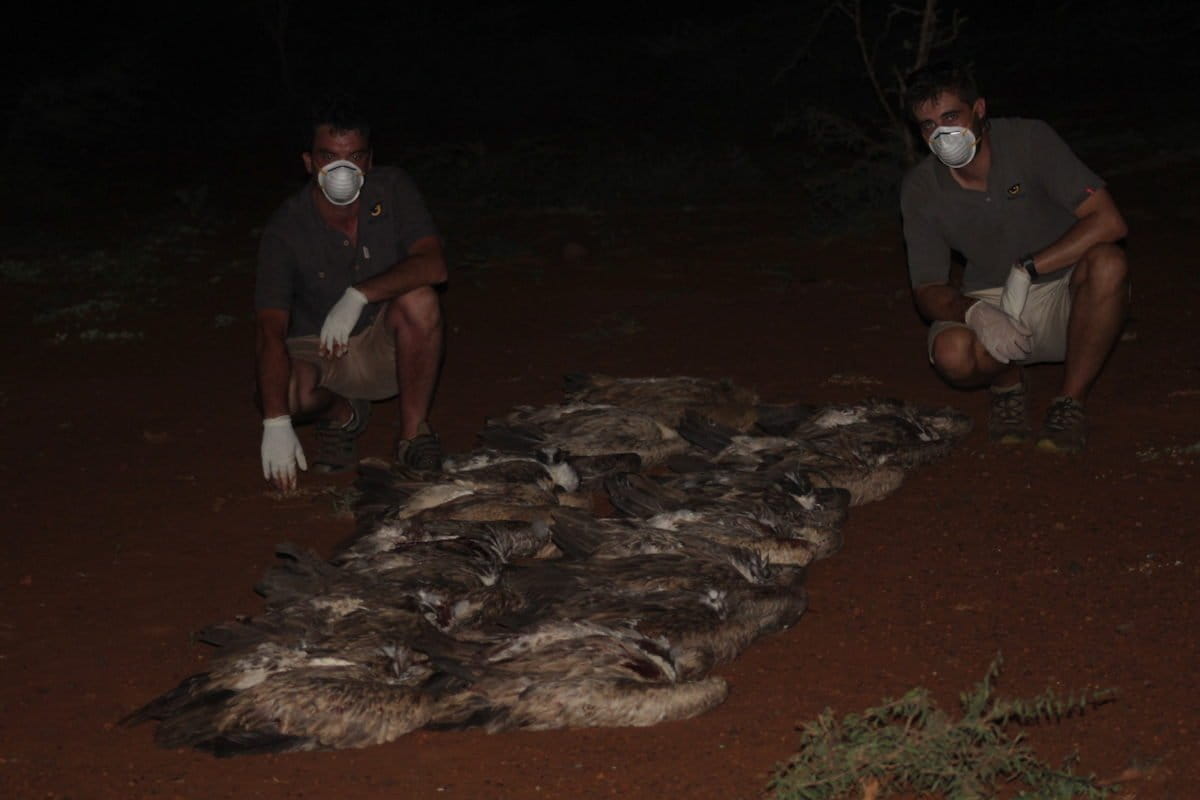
[(1047, 312), (366, 372)]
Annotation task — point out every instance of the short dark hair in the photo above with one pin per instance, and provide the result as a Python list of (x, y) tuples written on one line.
[(929, 82), (341, 112)]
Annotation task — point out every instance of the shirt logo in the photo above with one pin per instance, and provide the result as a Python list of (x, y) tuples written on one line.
[(1014, 190), (377, 209)]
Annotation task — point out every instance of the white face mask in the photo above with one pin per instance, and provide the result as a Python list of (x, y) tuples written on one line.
[(953, 145), (341, 181)]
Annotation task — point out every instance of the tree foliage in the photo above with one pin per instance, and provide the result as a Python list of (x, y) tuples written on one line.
[(890, 41)]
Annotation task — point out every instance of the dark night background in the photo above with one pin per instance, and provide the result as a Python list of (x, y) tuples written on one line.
[(698, 95)]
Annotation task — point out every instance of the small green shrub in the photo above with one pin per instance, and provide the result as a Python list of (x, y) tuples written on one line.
[(909, 745)]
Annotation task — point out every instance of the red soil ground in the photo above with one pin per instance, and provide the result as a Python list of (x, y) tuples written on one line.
[(135, 515)]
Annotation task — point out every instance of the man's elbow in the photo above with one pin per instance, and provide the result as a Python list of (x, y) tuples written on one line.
[(925, 299), (1108, 227), (430, 259), (1112, 222), (1118, 230), (438, 274)]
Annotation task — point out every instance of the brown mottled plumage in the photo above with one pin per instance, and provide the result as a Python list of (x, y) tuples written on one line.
[(862, 448), (740, 503), (585, 430), (668, 399)]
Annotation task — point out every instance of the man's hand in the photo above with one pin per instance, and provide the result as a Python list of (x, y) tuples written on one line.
[(342, 318), (1006, 339), (1016, 291), (281, 452)]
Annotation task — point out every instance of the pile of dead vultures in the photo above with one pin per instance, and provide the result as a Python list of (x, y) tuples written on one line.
[(587, 564)]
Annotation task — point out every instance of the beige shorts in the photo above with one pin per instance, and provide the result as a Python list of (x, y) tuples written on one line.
[(1047, 312), (366, 372)]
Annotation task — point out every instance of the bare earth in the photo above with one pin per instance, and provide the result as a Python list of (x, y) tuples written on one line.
[(135, 514)]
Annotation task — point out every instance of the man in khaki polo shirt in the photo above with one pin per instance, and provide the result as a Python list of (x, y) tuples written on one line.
[(1045, 280), (347, 306)]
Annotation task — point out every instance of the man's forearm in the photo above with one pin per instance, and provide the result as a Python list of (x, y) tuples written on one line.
[(942, 302), (412, 273), (274, 373), (1074, 243), (425, 266), (1098, 222)]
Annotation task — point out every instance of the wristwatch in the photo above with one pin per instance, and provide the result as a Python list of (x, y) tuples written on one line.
[(1027, 264)]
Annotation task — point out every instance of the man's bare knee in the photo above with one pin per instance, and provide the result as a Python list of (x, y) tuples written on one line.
[(418, 312), (1104, 270), (952, 354)]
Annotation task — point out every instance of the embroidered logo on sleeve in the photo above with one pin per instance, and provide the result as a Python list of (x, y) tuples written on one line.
[(1014, 190)]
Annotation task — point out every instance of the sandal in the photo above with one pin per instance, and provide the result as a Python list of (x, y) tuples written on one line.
[(336, 449), (422, 452)]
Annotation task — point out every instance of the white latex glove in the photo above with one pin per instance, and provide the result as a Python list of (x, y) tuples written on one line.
[(342, 318), (281, 452), (1005, 338), (1016, 291)]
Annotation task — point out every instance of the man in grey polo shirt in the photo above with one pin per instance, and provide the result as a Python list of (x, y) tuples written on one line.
[(1044, 281), (347, 306)]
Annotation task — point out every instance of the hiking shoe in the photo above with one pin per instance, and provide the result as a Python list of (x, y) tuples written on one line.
[(336, 449), (1065, 430), (422, 452), (1008, 420)]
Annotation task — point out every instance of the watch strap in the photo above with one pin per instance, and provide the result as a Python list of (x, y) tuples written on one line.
[(1029, 266)]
